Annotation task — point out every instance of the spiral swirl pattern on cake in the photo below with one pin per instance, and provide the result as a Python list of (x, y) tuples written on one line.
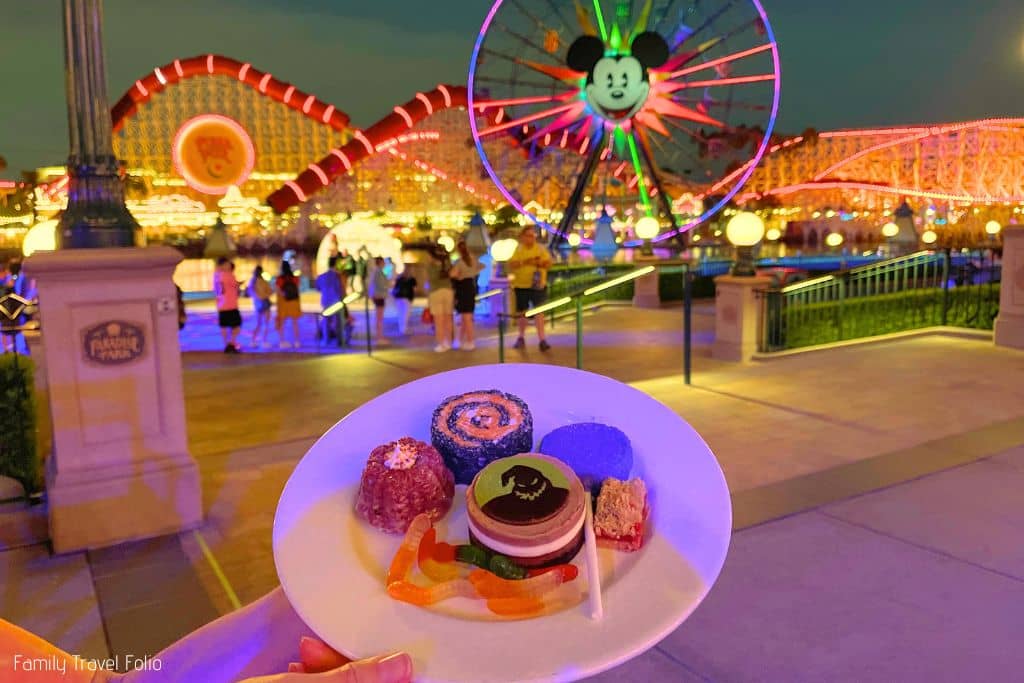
[(471, 430)]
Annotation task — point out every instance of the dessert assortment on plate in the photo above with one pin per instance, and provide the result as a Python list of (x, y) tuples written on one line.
[(527, 512)]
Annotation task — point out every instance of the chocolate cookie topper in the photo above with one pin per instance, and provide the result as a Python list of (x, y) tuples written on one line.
[(521, 490)]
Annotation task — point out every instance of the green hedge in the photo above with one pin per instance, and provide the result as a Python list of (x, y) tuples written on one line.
[(19, 457)]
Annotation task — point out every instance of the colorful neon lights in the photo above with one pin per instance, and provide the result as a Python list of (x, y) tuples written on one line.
[(721, 60), (886, 189), (361, 137), (441, 175), (405, 115), (426, 103), (320, 174), (344, 159), (294, 186), (744, 174), (547, 113), (600, 20), (738, 80), (447, 96)]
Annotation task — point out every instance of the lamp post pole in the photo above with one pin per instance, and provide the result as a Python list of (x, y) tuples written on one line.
[(96, 215)]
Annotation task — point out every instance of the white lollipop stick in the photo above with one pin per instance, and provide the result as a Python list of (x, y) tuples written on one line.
[(593, 570)]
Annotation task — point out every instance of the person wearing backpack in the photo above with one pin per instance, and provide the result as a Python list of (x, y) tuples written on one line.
[(260, 291), (380, 285), (403, 293), (289, 306)]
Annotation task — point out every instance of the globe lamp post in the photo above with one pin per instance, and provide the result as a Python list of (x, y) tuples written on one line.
[(889, 231), (929, 236), (744, 231), (992, 229), (502, 251), (834, 240), (647, 228)]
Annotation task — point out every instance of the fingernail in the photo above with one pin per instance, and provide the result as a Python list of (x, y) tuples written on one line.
[(396, 667)]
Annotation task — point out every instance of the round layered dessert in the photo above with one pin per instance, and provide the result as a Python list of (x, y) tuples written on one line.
[(474, 429), (593, 450), (403, 479), (529, 507)]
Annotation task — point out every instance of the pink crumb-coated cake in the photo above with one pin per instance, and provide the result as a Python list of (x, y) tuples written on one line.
[(403, 479)]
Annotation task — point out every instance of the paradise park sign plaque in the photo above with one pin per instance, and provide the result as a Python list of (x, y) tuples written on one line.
[(114, 342)]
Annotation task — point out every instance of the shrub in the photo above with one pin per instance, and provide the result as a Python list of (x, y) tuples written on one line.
[(19, 457)]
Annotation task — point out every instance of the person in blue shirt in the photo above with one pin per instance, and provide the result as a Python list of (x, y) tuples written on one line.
[(331, 292)]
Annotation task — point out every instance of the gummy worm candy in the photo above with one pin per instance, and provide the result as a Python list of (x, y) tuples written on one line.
[(405, 558), (437, 560), (516, 607), (490, 586), (417, 595)]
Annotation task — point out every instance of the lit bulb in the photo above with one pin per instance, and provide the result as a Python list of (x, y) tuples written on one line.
[(993, 227), (773, 234), (502, 250), (447, 242), (929, 237), (890, 229), (834, 239), (745, 229), (574, 239), (41, 237), (647, 228)]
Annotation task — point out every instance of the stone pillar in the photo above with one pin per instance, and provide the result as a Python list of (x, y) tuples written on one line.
[(737, 317), (502, 303), (120, 467), (1010, 323), (645, 287)]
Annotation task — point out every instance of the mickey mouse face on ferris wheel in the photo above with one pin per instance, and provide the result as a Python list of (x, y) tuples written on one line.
[(618, 85)]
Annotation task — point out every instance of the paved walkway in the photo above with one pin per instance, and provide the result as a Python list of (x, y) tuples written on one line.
[(887, 586)]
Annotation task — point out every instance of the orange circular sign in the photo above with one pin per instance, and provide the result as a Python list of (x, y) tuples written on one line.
[(212, 153)]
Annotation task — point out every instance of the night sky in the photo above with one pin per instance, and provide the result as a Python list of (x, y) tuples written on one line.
[(845, 63)]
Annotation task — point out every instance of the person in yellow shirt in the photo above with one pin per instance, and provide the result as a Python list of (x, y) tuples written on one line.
[(528, 268)]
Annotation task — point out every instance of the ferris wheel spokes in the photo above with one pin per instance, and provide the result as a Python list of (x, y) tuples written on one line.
[(675, 123), (573, 208)]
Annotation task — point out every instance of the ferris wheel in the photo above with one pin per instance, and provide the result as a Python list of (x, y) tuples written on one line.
[(655, 108)]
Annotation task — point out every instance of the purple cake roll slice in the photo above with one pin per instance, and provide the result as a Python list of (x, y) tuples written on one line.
[(471, 430), (593, 450)]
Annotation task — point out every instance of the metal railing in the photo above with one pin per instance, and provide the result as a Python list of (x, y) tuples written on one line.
[(924, 289), (605, 287)]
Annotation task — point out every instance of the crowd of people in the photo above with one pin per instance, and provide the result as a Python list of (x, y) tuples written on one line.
[(451, 287)]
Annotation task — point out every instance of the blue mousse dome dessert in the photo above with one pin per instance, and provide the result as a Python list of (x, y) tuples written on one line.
[(593, 450)]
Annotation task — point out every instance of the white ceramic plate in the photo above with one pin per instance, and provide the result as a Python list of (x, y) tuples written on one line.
[(332, 565)]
